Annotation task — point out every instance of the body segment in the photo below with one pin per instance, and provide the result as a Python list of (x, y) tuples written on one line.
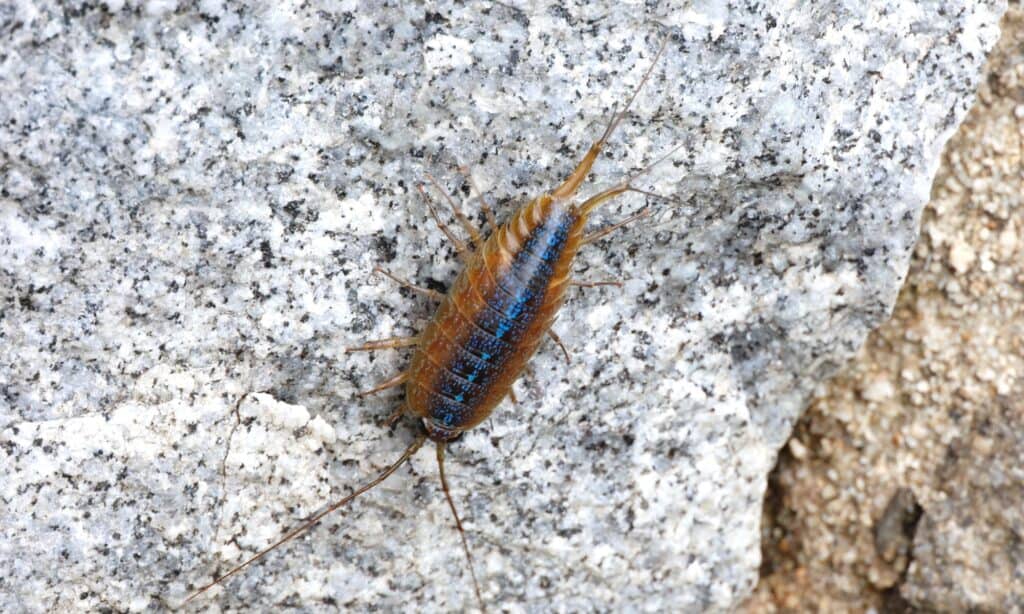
[(493, 318)]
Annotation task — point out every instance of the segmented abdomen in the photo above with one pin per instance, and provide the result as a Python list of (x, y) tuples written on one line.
[(493, 318)]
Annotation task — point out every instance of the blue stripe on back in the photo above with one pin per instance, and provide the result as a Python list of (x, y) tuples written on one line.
[(458, 389), (447, 411), (511, 308), (506, 326), (484, 345), (470, 366)]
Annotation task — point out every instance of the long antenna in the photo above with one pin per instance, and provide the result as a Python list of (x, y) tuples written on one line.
[(412, 449), (573, 181), (587, 206), (458, 524), (618, 116)]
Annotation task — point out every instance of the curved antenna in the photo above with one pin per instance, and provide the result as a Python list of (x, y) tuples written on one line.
[(640, 173), (412, 449), (458, 524), (618, 116), (573, 181)]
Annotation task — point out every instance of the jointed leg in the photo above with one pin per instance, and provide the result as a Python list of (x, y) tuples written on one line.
[(554, 337), (460, 245), (434, 294), (468, 226), (384, 344), (394, 417), (397, 380), (595, 284), (458, 523)]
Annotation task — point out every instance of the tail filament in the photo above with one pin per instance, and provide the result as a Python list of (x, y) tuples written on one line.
[(458, 524)]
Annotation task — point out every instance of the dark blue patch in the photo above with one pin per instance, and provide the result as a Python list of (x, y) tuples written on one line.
[(502, 327), (532, 275), (530, 247), (469, 366), (504, 300), (447, 411), (458, 388), (531, 267), (526, 280), (485, 345), (510, 309)]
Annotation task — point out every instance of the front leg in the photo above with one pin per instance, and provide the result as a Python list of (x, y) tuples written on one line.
[(554, 337), (434, 294)]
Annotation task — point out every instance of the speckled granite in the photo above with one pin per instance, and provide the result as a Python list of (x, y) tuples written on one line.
[(192, 204)]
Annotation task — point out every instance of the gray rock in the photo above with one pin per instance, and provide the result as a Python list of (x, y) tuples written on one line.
[(192, 204)]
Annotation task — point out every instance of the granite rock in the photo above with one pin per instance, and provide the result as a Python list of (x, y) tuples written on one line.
[(192, 204)]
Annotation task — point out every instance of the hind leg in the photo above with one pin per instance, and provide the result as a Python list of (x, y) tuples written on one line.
[(556, 339), (596, 284), (385, 344), (434, 294), (474, 234), (460, 245), (397, 380)]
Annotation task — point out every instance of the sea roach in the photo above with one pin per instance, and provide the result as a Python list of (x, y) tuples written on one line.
[(491, 321)]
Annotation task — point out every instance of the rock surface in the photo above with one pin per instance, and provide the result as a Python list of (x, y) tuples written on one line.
[(903, 487), (192, 204)]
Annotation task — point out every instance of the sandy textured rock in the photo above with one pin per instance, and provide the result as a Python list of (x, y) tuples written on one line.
[(967, 552), (907, 491), (193, 202)]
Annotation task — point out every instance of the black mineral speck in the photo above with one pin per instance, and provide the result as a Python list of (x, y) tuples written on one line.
[(268, 254)]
